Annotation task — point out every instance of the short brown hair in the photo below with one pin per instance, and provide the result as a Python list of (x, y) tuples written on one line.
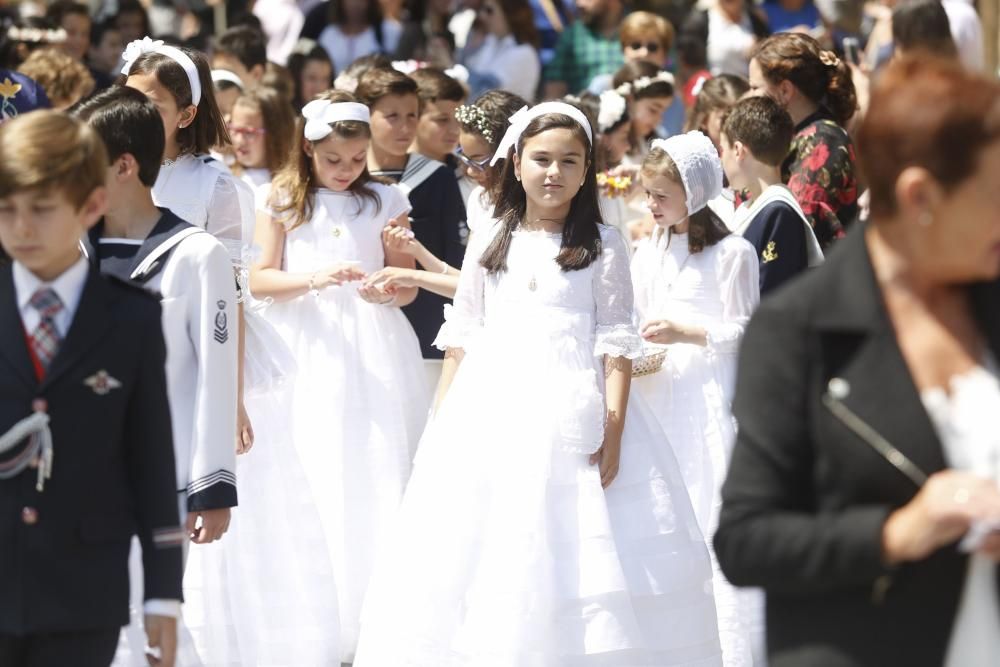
[(64, 79), (433, 85), (638, 24), (760, 124), (48, 150), (902, 129), (380, 82)]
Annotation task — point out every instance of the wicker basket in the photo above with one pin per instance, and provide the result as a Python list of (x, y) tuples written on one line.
[(651, 362)]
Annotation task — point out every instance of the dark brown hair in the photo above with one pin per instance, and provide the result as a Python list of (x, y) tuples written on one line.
[(433, 85), (208, 128), (922, 25), (293, 193), (902, 129), (704, 226), (820, 75), (489, 120), (380, 82), (521, 20), (760, 124), (279, 124), (719, 93), (640, 69), (297, 63), (373, 17), (581, 235)]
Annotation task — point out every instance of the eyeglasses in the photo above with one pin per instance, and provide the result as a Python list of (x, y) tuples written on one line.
[(651, 47), (478, 165), (246, 131)]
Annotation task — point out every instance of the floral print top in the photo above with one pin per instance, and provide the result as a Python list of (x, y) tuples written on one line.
[(820, 172)]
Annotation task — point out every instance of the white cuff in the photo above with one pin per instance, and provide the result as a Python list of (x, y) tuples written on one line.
[(171, 608)]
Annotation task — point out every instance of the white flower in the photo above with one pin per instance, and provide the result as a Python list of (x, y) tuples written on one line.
[(459, 73), (346, 82), (138, 47), (611, 110)]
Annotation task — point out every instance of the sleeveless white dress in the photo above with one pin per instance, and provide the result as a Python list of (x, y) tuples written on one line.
[(507, 551)]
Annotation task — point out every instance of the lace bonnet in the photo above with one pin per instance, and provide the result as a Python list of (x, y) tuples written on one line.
[(698, 163)]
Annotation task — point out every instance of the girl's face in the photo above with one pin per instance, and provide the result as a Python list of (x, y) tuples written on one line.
[(438, 129), (476, 149), (552, 167), (336, 161), (77, 42), (164, 101), (225, 99), (355, 11), (759, 85), (665, 199), (713, 127), (617, 144), (246, 128), (647, 113), (315, 79), (394, 123)]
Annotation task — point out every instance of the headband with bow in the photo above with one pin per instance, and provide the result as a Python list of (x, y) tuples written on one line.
[(320, 114), (520, 121), (146, 45)]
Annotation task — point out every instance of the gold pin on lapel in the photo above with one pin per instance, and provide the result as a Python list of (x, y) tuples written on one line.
[(770, 252), (102, 383)]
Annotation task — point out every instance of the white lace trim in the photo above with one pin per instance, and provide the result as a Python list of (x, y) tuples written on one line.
[(618, 340), (457, 331)]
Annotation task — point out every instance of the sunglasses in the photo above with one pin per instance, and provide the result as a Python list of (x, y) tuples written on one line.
[(246, 131), (478, 165), (651, 47)]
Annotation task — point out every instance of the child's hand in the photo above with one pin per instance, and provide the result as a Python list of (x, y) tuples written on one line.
[(397, 238), (391, 278), (608, 457), (376, 295), (338, 274), (663, 332)]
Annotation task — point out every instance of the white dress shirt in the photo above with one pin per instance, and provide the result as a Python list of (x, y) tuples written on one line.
[(69, 287)]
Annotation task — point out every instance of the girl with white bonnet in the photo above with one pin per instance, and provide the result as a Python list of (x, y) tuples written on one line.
[(696, 286), (544, 524)]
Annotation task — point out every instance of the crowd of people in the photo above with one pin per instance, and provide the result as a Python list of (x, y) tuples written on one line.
[(498, 333)]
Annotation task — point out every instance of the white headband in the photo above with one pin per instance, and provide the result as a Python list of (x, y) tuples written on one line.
[(520, 121), (320, 114), (145, 45), (698, 162), (225, 75)]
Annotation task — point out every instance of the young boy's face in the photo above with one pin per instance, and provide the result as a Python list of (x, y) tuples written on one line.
[(394, 123), (732, 164), (105, 54), (438, 129), (41, 229)]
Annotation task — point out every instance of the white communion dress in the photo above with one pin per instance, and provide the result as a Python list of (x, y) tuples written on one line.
[(507, 550), (359, 397), (715, 289)]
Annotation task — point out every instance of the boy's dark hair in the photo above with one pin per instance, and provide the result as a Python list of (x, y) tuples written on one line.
[(434, 85), (922, 25), (98, 30), (60, 9), (127, 122), (760, 124), (245, 44)]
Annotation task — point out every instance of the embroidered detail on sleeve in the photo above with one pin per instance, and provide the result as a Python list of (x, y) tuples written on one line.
[(770, 252), (221, 323)]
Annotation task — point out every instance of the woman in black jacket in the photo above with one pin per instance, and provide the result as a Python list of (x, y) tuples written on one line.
[(863, 458)]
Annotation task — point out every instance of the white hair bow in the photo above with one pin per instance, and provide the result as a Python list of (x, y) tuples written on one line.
[(321, 114), (520, 121), (139, 47)]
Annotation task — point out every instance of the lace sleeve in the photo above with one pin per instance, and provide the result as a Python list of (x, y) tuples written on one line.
[(228, 209), (616, 333), (740, 290), (464, 320)]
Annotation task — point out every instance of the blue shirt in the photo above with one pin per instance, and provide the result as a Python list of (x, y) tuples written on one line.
[(780, 19)]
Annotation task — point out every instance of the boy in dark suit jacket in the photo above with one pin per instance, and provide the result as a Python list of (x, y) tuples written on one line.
[(755, 139), (86, 456)]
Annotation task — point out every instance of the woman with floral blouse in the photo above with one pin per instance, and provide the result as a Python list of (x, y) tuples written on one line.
[(816, 89)]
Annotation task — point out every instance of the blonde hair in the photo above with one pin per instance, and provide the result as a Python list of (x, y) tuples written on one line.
[(64, 79), (293, 192), (48, 150), (639, 24)]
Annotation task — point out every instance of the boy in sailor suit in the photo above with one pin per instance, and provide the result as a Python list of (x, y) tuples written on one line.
[(190, 269), (86, 457)]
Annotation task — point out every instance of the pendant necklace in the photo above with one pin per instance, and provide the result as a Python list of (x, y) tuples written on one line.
[(533, 284)]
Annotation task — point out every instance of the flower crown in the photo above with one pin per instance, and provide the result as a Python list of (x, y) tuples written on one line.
[(36, 35), (612, 109), (633, 87), (473, 116)]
